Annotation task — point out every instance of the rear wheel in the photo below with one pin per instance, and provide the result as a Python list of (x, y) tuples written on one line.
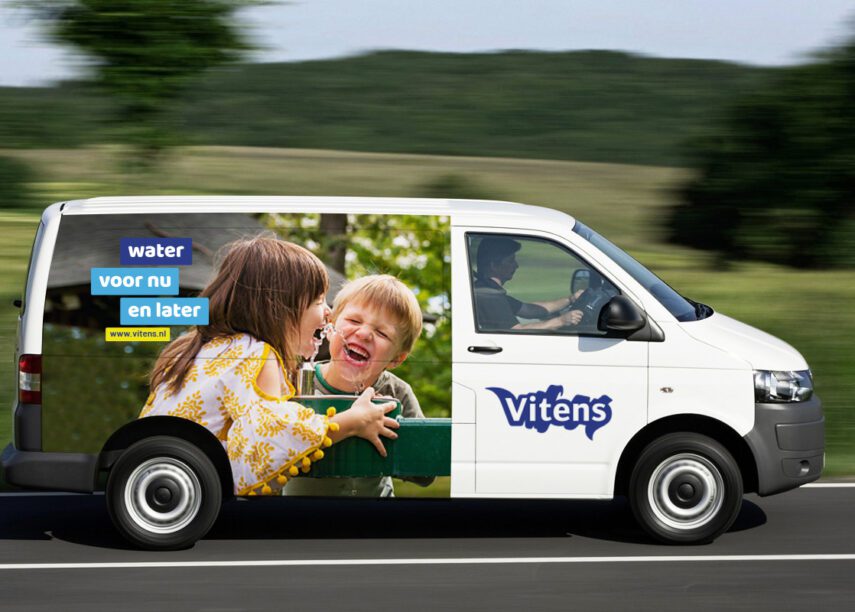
[(685, 488), (163, 493)]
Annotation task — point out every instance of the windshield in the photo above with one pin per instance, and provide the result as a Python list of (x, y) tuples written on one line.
[(683, 309)]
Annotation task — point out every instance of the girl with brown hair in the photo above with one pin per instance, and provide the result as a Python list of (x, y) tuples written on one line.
[(231, 376)]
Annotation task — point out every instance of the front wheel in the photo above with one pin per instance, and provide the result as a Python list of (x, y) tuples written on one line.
[(685, 488), (163, 493)]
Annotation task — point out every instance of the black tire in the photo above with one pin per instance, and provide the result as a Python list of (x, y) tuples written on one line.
[(163, 493), (686, 488)]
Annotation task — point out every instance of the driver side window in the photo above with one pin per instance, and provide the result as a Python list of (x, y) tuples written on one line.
[(529, 285)]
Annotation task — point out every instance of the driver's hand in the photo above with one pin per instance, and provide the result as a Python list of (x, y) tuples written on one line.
[(571, 318), (576, 295)]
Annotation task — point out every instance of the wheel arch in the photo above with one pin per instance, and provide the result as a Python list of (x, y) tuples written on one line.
[(177, 427), (703, 425)]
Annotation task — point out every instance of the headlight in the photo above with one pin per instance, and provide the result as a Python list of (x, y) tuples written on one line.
[(775, 386)]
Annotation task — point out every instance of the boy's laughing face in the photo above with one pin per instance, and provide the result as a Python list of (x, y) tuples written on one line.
[(367, 343)]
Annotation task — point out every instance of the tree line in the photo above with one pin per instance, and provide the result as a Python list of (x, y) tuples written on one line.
[(590, 106)]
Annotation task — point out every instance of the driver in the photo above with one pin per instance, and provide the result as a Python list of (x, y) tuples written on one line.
[(496, 264)]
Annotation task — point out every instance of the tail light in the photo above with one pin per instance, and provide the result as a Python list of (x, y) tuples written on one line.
[(30, 379)]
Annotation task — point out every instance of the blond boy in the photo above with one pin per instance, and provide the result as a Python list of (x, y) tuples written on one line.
[(377, 320)]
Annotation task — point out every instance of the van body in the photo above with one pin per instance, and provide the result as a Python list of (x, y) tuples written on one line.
[(643, 393)]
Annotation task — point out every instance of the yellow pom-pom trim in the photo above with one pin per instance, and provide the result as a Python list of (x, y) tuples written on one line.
[(293, 470), (331, 411), (282, 479), (334, 427), (305, 469), (266, 490), (327, 442), (317, 455), (307, 463), (251, 493)]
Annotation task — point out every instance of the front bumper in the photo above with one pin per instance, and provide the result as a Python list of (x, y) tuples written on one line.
[(788, 442)]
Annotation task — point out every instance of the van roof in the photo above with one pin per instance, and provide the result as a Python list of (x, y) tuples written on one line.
[(464, 212)]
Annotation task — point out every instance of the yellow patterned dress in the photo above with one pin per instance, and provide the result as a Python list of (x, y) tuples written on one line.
[(267, 438)]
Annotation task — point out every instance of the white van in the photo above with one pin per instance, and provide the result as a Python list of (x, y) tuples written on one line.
[(575, 372)]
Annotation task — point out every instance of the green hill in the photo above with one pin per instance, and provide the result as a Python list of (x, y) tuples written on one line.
[(593, 105)]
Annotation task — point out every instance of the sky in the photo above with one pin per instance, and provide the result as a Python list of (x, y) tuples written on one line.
[(760, 32)]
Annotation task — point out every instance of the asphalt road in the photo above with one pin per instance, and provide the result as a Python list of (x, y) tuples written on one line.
[(794, 551)]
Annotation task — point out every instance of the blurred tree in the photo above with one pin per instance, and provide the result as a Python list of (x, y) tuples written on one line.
[(144, 53), (777, 183), (14, 178), (455, 187)]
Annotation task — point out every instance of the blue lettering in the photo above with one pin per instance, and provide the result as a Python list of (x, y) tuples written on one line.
[(548, 408)]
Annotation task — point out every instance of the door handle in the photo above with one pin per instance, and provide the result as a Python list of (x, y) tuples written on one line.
[(490, 350)]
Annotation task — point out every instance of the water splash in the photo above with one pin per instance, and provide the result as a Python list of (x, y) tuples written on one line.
[(326, 331)]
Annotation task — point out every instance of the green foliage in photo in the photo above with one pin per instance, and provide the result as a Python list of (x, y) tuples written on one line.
[(416, 250), (90, 387)]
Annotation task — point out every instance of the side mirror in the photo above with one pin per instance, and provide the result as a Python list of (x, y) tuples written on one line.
[(581, 280), (620, 314)]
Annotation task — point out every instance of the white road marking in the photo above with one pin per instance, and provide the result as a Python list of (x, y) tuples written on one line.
[(436, 561), (829, 485)]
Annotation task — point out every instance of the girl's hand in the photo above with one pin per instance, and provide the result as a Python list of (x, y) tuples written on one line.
[(366, 420)]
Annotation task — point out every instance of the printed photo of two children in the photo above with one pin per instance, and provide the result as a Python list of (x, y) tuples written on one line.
[(324, 368)]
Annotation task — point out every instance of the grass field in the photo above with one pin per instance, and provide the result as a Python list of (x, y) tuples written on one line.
[(809, 309)]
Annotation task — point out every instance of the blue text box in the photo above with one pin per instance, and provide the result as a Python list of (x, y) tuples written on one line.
[(133, 281), (163, 311), (156, 251)]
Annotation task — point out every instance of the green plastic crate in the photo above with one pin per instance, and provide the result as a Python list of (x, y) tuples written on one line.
[(423, 446)]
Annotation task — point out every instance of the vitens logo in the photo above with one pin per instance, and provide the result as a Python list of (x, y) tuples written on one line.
[(541, 409)]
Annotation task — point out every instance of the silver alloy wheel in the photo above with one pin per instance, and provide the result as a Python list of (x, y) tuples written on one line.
[(163, 495), (685, 491)]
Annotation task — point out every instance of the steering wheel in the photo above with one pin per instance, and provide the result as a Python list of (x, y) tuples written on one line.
[(590, 302)]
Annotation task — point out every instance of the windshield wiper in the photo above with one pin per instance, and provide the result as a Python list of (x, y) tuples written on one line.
[(702, 311)]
